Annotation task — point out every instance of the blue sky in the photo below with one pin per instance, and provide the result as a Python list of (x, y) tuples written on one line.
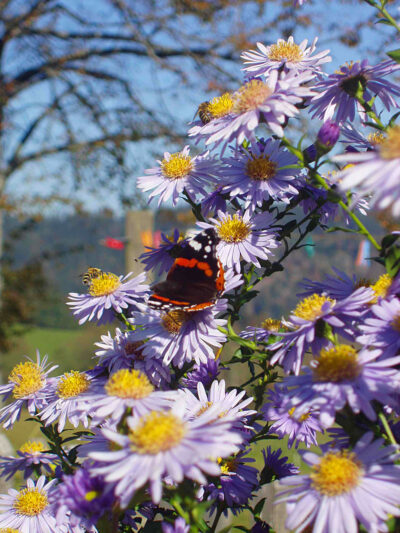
[(160, 90)]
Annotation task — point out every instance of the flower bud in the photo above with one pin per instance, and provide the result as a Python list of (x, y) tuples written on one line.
[(310, 153), (327, 136)]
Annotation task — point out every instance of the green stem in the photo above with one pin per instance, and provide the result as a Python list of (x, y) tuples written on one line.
[(345, 207), (382, 10), (386, 427), (370, 112), (388, 17), (124, 320), (216, 519)]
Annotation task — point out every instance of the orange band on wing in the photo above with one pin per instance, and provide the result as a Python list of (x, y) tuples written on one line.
[(191, 263), (157, 297)]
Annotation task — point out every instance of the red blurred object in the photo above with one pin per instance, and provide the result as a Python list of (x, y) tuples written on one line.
[(115, 244)]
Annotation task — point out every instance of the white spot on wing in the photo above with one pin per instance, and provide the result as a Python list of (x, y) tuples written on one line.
[(196, 245)]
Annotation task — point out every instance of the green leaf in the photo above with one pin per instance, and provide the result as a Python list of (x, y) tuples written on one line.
[(383, 21), (339, 228), (395, 55), (392, 261), (389, 240), (259, 507), (393, 119)]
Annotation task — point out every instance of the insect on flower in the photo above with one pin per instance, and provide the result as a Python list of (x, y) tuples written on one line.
[(91, 274)]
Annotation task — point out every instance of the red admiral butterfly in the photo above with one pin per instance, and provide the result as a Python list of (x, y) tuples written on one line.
[(195, 280)]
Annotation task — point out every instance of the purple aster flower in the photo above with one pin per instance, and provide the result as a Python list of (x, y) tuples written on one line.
[(214, 202), (224, 405), (337, 287), (275, 466), (286, 56), (108, 294), (261, 174), (340, 375), (28, 384), (177, 336), (338, 91), (125, 391), (29, 510), (162, 257), (67, 399), (307, 323), (271, 101), (237, 482), (165, 444), (122, 351), (32, 456), (179, 526), (83, 498), (280, 411), (204, 373), (382, 329), (365, 488), (270, 328), (243, 236), (316, 198), (339, 437), (375, 174), (342, 286), (356, 141), (177, 173)]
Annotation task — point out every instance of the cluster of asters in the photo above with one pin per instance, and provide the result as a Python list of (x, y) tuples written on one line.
[(158, 424)]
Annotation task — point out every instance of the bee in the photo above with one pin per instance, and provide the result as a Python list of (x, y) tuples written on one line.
[(203, 113), (90, 274)]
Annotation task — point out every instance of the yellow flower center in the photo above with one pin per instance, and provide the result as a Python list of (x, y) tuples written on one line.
[(285, 51), (72, 384), (30, 502), (337, 473), (311, 307), (376, 138), (105, 284), (32, 447), (351, 83), (261, 168), (157, 432), (134, 348), (389, 148), (227, 465), (233, 229), (174, 320), (337, 364), (177, 166), (8, 530), (271, 324), (28, 378), (220, 105), (381, 287), (301, 418), (250, 96), (130, 384)]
